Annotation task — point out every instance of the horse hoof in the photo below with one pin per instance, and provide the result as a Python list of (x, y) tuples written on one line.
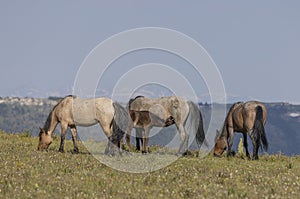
[(61, 151), (231, 154), (75, 151), (111, 154), (255, 158), (184, 153)]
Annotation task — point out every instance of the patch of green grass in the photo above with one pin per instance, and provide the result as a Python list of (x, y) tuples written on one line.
[(28, 173)]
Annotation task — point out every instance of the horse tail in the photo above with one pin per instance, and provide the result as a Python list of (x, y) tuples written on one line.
[(259, 130), (197, 121), (119, 123)]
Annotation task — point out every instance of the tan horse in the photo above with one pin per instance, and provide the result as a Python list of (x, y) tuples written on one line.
[(142, 120), (72, 111), (161, 112), (249, 117)]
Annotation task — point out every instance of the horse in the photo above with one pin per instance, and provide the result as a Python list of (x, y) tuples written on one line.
[(145, 118), (249, 117), (72, 111), (146, 113)]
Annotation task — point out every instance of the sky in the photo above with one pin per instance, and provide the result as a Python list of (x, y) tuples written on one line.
[(254, 45)]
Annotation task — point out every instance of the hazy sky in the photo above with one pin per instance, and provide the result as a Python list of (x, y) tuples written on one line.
[(255, 45)]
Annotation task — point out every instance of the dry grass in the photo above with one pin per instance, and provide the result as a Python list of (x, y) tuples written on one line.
[(28, 173)]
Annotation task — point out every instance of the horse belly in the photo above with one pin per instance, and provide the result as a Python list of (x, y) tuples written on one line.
[(86, 122), (85, 116), (85, 119)]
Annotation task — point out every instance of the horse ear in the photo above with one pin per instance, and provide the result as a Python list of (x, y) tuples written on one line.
[(42, 130), (217, 135)]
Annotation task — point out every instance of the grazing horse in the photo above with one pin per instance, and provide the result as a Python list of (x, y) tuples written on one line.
[(145, 119), (72, 111), (161, 112), (249, 117)]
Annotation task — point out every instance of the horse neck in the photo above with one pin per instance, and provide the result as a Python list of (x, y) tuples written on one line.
[(51, 122), (224, 132), (233, 108)]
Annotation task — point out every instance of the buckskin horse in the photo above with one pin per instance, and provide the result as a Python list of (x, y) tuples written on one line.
[(72, 111), (249, 117), (161, 112)]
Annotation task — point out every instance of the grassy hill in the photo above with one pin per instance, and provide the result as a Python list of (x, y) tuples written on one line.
[(28, 173)]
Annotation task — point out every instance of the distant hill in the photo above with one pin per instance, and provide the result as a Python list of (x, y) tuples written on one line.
[(28, 114)]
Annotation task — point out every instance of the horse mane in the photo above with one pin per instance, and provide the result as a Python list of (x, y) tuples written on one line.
[(226, 119), (231, 108), (50, 116)]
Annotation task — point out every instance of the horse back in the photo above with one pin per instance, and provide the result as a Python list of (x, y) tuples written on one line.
[(162, 111), (163, 107), (88, 112)]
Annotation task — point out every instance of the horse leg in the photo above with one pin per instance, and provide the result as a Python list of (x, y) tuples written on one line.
[(183, 139), (145, 139), (246, 144), (141, 139), (186, 142), (138, 138), (128, 134), (230, 152), (74, 135), (137, 143), (120, 147), (107, 130), (64, 127)]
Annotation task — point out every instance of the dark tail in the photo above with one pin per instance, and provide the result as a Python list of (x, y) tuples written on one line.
[(196, 118), (119, 124), (259, 130)]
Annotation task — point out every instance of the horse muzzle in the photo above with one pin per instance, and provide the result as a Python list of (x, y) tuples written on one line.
[(216, 155), (42, 147)]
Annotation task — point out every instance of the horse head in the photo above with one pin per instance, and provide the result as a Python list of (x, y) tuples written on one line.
[(220, 144), (45, 140), (169, 121)]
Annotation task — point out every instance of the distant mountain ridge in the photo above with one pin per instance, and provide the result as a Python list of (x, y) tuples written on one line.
[(28, 114)]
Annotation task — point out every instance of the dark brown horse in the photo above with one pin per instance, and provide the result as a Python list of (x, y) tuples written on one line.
[(249, 117)]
